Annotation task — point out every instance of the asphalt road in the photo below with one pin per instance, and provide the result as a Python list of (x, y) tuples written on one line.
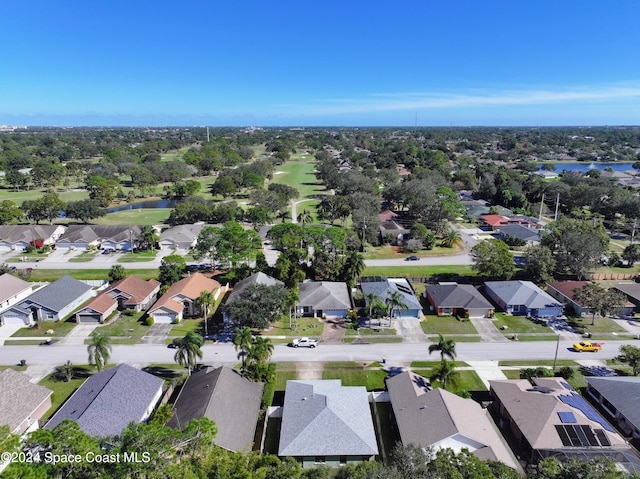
[(143, 354)]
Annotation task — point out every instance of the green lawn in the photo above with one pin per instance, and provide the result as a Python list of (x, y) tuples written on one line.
[(19, 197), (183, 327), (62, 389), (282, 377), (432, 364), (305, 327), (139, 256), (126, 326), (603, 325), (419, 270), (55, 274), (83, 257), (142, 216), (519, 324), (391, 252), (446, 325), (467, 380), (536, 363), (59, 328), (372, 379)]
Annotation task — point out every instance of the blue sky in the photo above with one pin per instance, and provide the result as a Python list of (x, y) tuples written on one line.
[(323, 63)]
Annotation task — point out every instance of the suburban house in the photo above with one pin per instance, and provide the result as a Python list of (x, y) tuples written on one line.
[(323, 298), (109, 400), (326, 424), (520, 232), (619, 397), (116, 237), (632, 292), (438, 419), (563, 292), (458, 300), (180, 237), (549, 419), (225, 397), (394, 233), (18, 237), (12, 291), (495, 222), (523, 298), (180, 299), (23, 403), (384, 288), (52, 302), (255, 278), (128, 293)]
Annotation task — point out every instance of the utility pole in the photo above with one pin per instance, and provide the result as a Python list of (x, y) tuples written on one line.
[(541, 204), (364, 243), (633, 231), (555, 218)]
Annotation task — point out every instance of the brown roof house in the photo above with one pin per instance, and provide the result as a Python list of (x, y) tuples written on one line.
[(23, 403), (180, 299), (225, 397), (128, 293), (547, 418), (12, 291), (563, 292), (438, 419)]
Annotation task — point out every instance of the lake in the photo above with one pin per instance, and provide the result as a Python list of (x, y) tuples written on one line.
[(584, 166), (144, 204)]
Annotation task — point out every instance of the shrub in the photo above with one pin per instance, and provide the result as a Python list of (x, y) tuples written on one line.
[(128, 312), (565, 372), (149, 321)]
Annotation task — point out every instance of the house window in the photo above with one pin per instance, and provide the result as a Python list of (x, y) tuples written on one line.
[(320, 460), (446, 310), (343, 460)]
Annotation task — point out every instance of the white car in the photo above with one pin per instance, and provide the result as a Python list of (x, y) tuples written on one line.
[(304, 343)]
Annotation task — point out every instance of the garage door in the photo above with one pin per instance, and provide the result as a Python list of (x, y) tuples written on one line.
[(88, 318), (13, 320), (162, 318)]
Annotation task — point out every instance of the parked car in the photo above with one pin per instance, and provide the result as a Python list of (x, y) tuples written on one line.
[(108, 251), (412, 258), (304, 343)]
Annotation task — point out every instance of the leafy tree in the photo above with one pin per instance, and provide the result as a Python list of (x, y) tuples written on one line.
[(374, 303), (84, 210), (172, 269), (257, 305), (47, 207), (99, 349), (540, 264), (601, 301), (493, 259), (242, 344), (571, 468), (445, 372), (630, 355), (352, 267), (631, 254), (447, 347), (117, 272), (9, 212), (102, 190), (229, 244), (188, 350), (16, 180), (66, 371), (576, 245), (223, 186)]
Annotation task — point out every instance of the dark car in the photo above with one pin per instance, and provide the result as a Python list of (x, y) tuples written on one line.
[(412, 258), (171, 346)]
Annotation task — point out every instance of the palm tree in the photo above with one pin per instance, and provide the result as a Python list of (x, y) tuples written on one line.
[(375, 303), (99, 350), (447, 347), (242, 343), (188, 350), (147, 238), (204, 302), (445, 372), (451, 239), (352, 267), (261, 349), (284, 215), (396, 301), (304, 218), (291, 300)]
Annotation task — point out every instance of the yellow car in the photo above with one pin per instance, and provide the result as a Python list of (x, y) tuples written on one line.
[(587, 346)]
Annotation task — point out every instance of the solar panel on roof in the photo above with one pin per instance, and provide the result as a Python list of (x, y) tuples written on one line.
[(567, 417), (593, 440), (578, 402), (573, 435), (581, 435), (567, 386), (602, 437), (563, 435)]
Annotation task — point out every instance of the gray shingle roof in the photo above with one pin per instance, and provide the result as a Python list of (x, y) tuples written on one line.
[(622, 392), (91, 233), (255, 278), (521, 293), (632, 290), (519, 231), (225, 397), (182, 233), (15, 233), (57, 295), (326, 295), (19, 398), (384, 288), (324, 418), (453, 295), (109, 400)]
